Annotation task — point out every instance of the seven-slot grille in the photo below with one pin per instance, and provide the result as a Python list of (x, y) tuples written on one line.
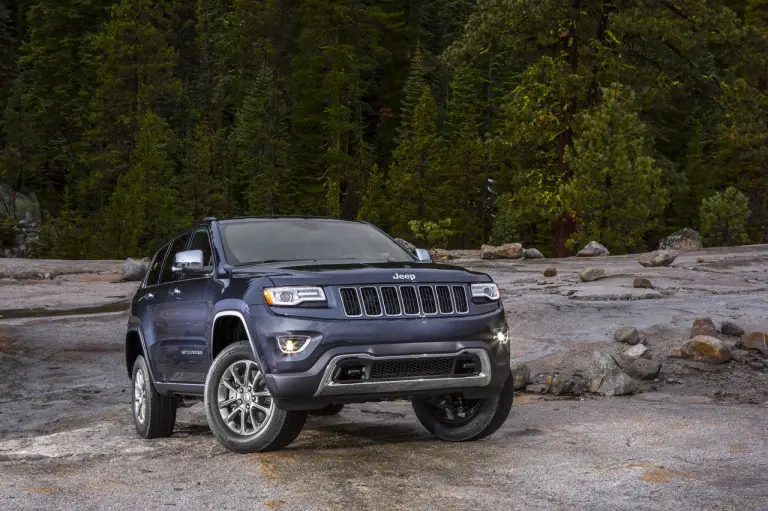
[(429, 300)]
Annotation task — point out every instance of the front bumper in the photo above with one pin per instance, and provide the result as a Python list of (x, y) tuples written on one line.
[(304, 380)]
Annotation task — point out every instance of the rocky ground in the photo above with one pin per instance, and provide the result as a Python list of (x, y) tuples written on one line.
[(695, 438)]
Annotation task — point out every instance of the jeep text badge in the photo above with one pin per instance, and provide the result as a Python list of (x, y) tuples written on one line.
[(404, 276)]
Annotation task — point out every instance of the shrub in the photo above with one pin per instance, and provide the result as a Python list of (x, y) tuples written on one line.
[(724, 218)]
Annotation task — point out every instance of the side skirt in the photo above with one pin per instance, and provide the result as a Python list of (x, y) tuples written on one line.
[(182, 389)]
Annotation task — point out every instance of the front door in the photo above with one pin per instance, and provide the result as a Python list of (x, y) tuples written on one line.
[(186, 310)]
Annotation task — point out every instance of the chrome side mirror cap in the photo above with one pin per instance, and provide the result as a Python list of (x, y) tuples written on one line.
[(188, 261), (423, 256)]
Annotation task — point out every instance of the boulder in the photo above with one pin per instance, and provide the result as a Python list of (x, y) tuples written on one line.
[(407, 245), (657, 258), (549, 272), (730, 328), (593, 249), (521, 374), (561, 384), (607, 378), (627, 335), (532, 253), (643, 369), (637, 351), (703, 326), (756, 338), (642, 283), (135, 269), (704, 348), (684, 239), (505, 251), (591, 274)]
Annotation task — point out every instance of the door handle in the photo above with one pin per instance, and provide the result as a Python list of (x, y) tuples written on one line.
[(175, 292), (147, 296)]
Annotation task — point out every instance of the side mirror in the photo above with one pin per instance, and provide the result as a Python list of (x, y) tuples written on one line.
[(422, 255), (189, 262)]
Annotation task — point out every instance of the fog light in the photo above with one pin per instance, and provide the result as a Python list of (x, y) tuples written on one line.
[(289, 344), (501, 335)]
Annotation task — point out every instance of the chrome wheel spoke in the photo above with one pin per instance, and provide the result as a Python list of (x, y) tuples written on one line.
[(235, 378), (233, 413), (228, 386), (261, 393), (260, 407), (224, 404)]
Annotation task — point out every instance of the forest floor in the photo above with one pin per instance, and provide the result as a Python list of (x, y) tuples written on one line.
[(695, 439)]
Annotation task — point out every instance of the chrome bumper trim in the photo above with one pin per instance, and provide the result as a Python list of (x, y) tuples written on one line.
[(328, 387)]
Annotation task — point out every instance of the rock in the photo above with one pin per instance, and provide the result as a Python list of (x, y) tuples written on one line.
[(704, 348), (561, 385), (407, 245), (637, 351), (135, 269), (532, 253), (642, 283), (591, 274), (729, 328), (607, 378), (657, 258), (505, 251), (684, 239), (521, 374), (756, 338), (443, 255), (536, 388), (643, 369), (627, 335), (703, 326), (756, 365), (549, 272), (593, 249)]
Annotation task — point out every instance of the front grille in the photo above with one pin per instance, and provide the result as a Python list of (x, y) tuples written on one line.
[(412, 368), (404, 300)]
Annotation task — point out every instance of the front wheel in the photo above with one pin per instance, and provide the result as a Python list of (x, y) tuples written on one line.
[(241, 412), (455, 419)]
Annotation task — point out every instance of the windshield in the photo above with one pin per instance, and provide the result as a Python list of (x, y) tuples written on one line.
[(279, 240)]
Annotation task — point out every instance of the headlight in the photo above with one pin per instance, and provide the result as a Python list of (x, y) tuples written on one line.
[(487, 290), (291, 296)]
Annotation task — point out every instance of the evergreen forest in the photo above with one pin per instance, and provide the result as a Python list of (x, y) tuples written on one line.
[(448, 123)]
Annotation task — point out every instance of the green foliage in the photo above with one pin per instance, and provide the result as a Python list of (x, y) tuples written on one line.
[(724, 218), (132, 118), (615, 191), (436, 234)]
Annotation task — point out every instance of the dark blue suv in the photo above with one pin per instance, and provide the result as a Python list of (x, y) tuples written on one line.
[(268, 319)]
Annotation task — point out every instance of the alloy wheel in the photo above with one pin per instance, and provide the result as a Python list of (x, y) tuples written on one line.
[(140, 397), (243, 399)]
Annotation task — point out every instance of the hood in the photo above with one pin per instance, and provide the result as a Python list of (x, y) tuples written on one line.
[(343, 274)]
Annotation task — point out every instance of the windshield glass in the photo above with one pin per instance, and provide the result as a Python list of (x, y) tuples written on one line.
[(260, 241)]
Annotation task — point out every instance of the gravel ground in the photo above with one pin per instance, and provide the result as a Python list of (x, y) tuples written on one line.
[(66, 439)]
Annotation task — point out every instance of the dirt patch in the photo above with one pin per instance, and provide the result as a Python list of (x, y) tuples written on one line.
[(107, 277), (42, 312)]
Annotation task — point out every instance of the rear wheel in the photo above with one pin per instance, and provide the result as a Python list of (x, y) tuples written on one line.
[(153, 415), (454, 418), (241, 412), (332, 409)]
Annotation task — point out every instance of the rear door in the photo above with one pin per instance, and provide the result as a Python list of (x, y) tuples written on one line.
[(186, 310)]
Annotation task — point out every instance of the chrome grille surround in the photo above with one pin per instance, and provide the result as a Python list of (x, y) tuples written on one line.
[(404, 300)]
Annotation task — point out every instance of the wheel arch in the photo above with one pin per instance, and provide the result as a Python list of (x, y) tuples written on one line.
[(135, 346), (228, 327)]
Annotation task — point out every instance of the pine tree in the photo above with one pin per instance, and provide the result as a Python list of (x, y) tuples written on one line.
[(145, 193), (615, 191), (260, 143), (412, 92), (412, 176), (375, 206)]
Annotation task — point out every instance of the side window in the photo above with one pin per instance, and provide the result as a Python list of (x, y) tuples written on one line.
[(155, 265), (178, 245), (201, 241)]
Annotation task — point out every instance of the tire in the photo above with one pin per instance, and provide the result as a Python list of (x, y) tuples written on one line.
[(153, 415), (332, 409), (489, 415), (259, 430)]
